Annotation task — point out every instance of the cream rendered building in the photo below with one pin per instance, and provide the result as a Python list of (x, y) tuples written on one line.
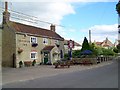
[(27, 43)]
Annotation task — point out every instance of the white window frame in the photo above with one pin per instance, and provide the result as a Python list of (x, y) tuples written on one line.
[(46, 41), (33, 38), (35, 55)]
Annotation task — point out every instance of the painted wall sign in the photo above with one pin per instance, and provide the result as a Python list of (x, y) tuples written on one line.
[(25, 41)]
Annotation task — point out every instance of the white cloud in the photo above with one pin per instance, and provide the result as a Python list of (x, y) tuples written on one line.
[(50, 12), (100, 32)]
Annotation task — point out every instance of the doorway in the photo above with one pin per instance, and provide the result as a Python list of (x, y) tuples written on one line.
[(46, 57)]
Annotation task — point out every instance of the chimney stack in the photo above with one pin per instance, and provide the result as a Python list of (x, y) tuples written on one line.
[(6, 14), (6, 6), (52, 27), (89, 36)]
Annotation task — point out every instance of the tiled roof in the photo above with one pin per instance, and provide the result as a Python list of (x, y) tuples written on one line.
[(18, 27), (99, 43), (105, 43), (48, 48)]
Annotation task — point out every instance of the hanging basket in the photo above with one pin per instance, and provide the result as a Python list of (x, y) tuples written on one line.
[(20, 50), (34, 44)]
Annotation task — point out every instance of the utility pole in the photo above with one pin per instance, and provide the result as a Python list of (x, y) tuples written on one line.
[(118, 11)]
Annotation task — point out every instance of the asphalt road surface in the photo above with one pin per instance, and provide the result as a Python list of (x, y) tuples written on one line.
[(102, 77)]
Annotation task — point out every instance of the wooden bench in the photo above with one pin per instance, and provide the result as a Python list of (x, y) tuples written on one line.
[(27, 63), (62, 64)]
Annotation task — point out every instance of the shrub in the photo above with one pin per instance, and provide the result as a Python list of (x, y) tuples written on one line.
[(34, 62), (20, 64)]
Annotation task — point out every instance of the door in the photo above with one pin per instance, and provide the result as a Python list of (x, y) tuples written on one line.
[(46, 56)]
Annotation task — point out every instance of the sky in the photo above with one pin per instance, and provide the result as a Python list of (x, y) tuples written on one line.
[(73, 18)]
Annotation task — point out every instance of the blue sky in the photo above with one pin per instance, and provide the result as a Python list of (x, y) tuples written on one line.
[(77, 17), (91, 14)]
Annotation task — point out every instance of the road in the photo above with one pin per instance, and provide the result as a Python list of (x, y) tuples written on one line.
[(102, 77)]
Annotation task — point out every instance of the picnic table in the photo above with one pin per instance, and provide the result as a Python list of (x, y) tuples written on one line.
[(61, 64)]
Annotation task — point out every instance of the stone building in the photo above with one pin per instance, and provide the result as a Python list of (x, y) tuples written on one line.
[(26, 43)]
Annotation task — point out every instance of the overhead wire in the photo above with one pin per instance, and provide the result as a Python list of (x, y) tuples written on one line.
[(29, 17)]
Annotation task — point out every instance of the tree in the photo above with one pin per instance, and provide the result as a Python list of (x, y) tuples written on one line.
[(85, 45), (115, 50), (108, 52), (76, 53), (118, 7), (94, 49)]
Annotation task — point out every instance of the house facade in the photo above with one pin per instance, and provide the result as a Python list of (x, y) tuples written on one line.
[(24, 43), (106, 43)]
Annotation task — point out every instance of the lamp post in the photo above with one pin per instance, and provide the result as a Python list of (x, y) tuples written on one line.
[(118, 11)]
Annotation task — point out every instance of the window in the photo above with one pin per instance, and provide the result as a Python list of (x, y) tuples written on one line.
[(45, 40), (33, 55), (33, 40)]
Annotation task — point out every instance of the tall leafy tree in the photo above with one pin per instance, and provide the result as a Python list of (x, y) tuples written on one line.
[(85, 45)]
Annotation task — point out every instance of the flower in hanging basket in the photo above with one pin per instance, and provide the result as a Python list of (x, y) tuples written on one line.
[(34, 44), (20, 50)]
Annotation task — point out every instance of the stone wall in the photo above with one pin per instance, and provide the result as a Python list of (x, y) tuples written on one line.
[(8, 46), (23, 42)]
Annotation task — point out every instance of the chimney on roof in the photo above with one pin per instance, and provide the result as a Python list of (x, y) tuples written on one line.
[(6, 6), (6, 14), (52, 27)]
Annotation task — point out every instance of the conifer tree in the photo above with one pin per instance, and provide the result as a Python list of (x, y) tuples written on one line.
[(85, 45)]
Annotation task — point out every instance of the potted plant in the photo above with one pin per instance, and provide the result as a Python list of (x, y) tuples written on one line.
[(34, 62), (20, 64)]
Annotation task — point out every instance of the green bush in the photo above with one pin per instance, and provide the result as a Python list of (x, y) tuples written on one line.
[(20, 64), (76, 54), (66, 56), (34, 62), (115, 50)]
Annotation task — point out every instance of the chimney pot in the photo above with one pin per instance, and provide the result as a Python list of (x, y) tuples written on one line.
[(52, 27), (6, 6), (6, 14)]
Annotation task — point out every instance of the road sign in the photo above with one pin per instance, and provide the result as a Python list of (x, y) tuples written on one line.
[(70, 44)]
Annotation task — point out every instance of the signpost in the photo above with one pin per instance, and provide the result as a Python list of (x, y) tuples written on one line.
[(70, 46)]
